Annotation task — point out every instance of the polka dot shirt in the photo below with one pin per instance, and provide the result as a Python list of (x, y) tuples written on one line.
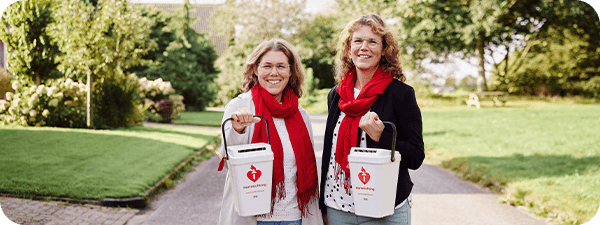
[(335, 195)]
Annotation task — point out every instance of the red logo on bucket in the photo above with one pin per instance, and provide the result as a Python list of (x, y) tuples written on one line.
[(363, 176), (253, 174)]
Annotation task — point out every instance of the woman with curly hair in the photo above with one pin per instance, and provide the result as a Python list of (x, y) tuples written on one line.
[(371, 88)]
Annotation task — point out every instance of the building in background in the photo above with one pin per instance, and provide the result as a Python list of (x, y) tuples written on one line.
[(201, 13)]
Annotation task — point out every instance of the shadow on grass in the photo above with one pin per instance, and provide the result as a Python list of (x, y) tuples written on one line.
[(168, 130), (550, 168), (203, 118), (458, 133), (436, 133), (535, 166), (496, 172)]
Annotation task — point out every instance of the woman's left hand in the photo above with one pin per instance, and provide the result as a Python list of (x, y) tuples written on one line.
[(372, 125)]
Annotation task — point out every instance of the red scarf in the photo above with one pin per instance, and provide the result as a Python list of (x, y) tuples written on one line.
[(354, 110), (266, 105)]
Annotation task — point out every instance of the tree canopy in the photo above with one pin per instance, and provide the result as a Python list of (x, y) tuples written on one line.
[(247, 23), (32, 52), (563, 58), (468, 28), (182, 56)]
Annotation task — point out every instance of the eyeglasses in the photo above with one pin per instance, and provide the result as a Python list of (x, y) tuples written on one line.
[(280, 67), (371, 42)]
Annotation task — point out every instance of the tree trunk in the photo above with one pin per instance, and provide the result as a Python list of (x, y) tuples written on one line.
[(506, 63), (89, 114), (481, 81)]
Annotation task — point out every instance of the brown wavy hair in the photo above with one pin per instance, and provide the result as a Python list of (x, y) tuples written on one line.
[(390, 57), (275, 45)]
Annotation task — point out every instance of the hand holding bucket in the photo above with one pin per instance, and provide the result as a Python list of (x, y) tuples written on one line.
[(242, 118), (231, 119), (250, 169), (373, 126)]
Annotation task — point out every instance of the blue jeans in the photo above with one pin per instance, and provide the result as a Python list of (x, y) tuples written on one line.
[(297, 222), (401, 216)]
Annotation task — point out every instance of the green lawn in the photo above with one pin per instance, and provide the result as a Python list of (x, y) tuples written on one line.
[(204, 118), (93, 164), (546, 155)]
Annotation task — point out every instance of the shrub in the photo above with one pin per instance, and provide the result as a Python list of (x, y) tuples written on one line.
[(116, 102), (155, 92), (61, 103)]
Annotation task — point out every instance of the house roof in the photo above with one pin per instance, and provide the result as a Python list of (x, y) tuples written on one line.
[(201, 25)]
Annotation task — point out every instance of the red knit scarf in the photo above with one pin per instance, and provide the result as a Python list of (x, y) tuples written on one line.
[(266, 105), (354, 110)]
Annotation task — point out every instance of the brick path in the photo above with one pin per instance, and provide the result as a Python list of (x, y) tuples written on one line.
[(25, 211)]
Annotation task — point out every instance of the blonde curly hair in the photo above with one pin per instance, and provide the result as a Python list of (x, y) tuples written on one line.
[(390, 57)]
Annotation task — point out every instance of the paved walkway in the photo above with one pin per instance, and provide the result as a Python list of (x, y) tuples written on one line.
[(25, 211), (439, 197)]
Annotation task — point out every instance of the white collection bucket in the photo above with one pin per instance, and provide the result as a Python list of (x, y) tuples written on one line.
[(251, 167), (374, 176)]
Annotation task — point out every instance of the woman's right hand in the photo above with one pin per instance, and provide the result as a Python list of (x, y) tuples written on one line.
[(242, 118)]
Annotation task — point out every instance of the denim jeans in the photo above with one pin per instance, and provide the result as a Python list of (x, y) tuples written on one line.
[(401, 216), (297, 222)]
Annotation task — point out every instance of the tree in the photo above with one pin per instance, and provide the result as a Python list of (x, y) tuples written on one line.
[(563, 58), (555, 65), (31, 51), (438, 29), (247, 23), (349, 10), (316, 40), (99, 42), (160, 37), (183, 57)]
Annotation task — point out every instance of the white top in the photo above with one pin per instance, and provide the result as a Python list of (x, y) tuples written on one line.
[(335, 195), (285, 209)]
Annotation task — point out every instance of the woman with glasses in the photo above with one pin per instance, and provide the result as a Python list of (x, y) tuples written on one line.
[(371, 89), (272, 84)]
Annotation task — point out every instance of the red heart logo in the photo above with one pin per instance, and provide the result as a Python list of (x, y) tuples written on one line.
[(253, 174), (363, 176)]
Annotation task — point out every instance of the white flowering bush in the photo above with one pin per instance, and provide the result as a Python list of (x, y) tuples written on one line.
[(159, 100), (59, 103)]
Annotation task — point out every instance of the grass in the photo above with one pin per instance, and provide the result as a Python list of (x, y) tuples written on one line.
[(203, 118), (315, 102), (93, 164), (542, 155)]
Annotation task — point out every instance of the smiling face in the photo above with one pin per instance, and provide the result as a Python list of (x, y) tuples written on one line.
[(273, 72), (365, 48)]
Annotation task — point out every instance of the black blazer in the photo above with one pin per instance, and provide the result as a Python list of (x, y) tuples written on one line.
[(398, 105)]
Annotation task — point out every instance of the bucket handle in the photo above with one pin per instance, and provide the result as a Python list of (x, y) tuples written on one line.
[(393, 141), (223, 132)]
